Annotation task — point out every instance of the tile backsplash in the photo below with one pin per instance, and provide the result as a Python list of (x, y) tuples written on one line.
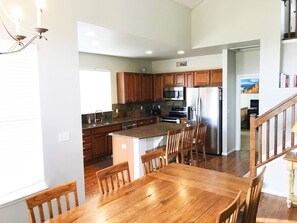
[(134, 110)]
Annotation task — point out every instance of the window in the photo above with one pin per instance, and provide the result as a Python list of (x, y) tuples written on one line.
[(95, 91), (21, 157)]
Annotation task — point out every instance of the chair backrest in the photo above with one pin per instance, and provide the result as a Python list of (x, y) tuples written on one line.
[(172, 145), (200, 134), (152, 161), (187, 138), (113, 177), (253, 198), (230, 213), (55, 198), (187, 142)]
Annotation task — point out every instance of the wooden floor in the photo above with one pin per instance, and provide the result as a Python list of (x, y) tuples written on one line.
[(272, 209)]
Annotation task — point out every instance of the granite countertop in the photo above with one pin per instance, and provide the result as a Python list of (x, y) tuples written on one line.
[(117, 121), (149, 131)]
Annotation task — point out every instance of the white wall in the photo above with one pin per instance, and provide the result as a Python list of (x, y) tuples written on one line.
[(193, 63), (113, 64), (59, 78)]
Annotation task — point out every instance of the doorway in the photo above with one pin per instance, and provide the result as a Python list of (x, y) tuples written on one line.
[(248, 103)]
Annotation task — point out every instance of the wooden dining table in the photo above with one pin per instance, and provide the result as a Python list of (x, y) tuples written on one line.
[(175, 193)]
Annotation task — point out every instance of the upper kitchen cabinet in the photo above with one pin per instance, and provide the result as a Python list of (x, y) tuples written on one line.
[(201, 78), (168, 80), (158, 87), (189, 77), (147, 93), (179, 80), (216, 77), (174, 80), (128, 87), (207, 78)]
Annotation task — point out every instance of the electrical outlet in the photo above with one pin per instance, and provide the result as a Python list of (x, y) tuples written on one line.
[(117, 110)]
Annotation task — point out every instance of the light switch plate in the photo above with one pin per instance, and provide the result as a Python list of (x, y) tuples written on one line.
[(64, 136)]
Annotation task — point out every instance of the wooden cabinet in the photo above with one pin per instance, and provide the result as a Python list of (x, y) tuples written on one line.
[(147, 93), (216, 77), (128, 87), (201, 78), (174, 79), (208, 78), (189, 77), (87, 145), (97, 143), (179, 80), (146, 122), (168, 80), (158, 87)]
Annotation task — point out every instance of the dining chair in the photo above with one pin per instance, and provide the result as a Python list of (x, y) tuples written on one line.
[(152, 161), (187, 143), (199, 142), (253, 198), (56, 199), (230, 213), (113, 177), (172, 145)]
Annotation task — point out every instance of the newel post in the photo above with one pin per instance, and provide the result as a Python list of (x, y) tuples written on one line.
[(253, 169)]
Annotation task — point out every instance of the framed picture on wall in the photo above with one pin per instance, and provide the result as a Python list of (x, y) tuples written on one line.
[(249, 85)]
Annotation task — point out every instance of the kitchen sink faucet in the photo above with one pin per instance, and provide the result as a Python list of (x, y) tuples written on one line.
[(95, 116)]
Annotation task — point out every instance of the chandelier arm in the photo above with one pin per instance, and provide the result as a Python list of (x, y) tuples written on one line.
[(7, 29), (24, 45)]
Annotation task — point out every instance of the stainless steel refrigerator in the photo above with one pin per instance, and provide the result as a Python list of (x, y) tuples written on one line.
[(204, 104)]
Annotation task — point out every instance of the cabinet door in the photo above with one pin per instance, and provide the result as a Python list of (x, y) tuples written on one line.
[(147, 87), (201, 78), (99, 146), (136, 87), (158, 87), (128, 85), (189, 76), (216, 77), (168, 80), (179, 79)]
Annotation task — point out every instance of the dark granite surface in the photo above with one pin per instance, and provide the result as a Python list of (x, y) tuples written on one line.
[(116, 121), (149, 131)]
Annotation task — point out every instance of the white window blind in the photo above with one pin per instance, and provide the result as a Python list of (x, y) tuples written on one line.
[(95, 91), (21, 158)]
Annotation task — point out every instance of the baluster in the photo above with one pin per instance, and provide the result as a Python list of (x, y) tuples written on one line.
[(260, 152), (267, 139), (284, 130), (292, 123), (275, 133)]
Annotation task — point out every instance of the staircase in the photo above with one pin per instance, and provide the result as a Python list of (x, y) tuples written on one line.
[(270, 134)]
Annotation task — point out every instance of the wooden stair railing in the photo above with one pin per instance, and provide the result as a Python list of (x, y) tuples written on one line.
[(276, 123)]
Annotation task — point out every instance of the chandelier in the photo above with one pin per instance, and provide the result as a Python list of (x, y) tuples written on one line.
[(21, 41)]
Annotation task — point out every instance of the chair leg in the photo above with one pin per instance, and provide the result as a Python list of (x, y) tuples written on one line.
[(196, 154), (204, 155)]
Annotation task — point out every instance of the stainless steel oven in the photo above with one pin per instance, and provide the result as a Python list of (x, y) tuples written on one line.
[(175, 114)]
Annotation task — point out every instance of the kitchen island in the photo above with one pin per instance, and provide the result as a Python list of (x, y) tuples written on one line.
[(129, 145)]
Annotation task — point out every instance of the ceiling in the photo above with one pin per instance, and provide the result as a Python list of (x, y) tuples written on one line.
[(100, 40)]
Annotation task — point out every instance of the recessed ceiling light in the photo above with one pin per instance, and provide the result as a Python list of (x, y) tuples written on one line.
[(148, 52), (95, 43), (90, 33), (181, 52)]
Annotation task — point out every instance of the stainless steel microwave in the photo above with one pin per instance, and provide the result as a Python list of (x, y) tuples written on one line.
[(174, 93)]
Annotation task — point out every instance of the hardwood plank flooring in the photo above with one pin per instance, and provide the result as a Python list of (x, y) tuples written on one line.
[(272, 209)]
